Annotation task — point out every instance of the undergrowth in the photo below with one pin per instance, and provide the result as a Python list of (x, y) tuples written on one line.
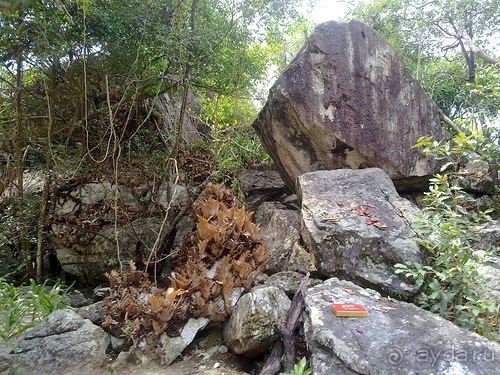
[(449, 228), (222, 255), (24, 307)]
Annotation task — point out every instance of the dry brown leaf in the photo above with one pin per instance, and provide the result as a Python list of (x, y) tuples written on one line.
[(387, 308), (202, 245), (210, 207), (348, 290), (380, 226), (158, 327), (205, 229), (156, 303)]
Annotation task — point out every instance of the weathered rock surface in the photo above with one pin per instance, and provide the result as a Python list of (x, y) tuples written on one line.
[(83, 229), (173, 346), (490, 270), (251, 329), (347, 101), (355, 223), (63, 343), (281, 233), (262, 182), (289, 281), (395, 338), (94, 312), (478, 177), (490, 233)]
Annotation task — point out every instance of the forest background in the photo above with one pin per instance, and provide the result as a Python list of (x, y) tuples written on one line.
[(82, 82)]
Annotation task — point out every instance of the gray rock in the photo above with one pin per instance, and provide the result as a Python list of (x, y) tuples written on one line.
[(477, 177), (94, 312), (119, 344), (173, 346), (490, 271), (289, 281), (179, 199), (280, 232), (395, 338), (263, 182), (349, 242), (90, 260), (83, 230), (77, 299), (63, 343), (301, 260), (100, 292), (347, 101), (251, 329), (490, 233)]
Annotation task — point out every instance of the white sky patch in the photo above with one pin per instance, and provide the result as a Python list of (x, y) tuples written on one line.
[(328, 10)]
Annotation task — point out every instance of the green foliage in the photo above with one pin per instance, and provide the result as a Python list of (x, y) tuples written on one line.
[(299, 368), (11, 266), (451, 284), (452, 153), (23, 307), (233, 141), (435, 41), (236, 148)]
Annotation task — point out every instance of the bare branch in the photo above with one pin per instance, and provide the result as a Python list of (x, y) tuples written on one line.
[(480, 53), (451, 124)]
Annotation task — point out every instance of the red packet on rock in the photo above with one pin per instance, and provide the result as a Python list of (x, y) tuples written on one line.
[(349, 309)]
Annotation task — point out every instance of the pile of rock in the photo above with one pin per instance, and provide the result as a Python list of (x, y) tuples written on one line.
[(339, 124)]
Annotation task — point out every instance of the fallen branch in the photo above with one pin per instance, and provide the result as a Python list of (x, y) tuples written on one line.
[(284, 348)]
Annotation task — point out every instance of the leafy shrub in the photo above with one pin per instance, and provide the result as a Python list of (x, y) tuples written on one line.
[(11, 263), (299, 368), (451, 284), (236, 148), (23, 307)]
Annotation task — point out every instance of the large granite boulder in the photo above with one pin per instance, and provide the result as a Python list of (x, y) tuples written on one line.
[(395, 338), (63, 343), (356, 224), (347, 100)]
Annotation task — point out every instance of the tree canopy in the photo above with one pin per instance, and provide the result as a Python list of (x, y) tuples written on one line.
[(448, 46)]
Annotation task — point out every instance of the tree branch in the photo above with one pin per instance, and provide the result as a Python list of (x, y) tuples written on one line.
[(451, 124), (284, 349), (481, 54)]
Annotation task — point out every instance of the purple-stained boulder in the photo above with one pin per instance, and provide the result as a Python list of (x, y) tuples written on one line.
[(347, 101)]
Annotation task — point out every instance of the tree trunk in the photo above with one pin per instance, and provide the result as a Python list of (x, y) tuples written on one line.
[(19, 159)]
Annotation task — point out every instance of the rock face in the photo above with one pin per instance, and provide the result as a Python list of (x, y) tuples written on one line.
[(346, 100), (83, 229), (63, 343), (251, 329), (395, 338), (490, 271), (173, 346), (281, 233), (355, 223)]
